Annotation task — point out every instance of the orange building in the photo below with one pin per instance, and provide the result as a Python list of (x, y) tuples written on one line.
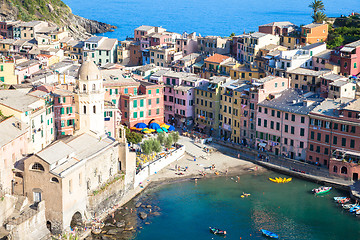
[(313, 33)]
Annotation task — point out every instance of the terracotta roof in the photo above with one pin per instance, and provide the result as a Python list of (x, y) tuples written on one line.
[(216, 58)]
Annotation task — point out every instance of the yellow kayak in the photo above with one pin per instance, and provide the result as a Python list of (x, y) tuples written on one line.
[(280, 180)]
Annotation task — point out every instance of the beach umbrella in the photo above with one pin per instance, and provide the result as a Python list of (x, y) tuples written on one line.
[(164, 126), (145, 129), (133, 128), (164, 129), (159, 130), (171, 128), (151, 130), (154, 126), (140, 125)]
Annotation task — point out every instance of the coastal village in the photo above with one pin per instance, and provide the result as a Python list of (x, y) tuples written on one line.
[(71, 108)]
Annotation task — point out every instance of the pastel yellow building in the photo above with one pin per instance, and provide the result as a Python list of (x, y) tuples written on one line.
[(7, 72), (246, 73)]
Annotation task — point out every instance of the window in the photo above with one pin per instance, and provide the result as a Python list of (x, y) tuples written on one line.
[(272, 124), (135, 115), (293, 117), (141, 102), (352, 143), (276, 85), (265, 123), (94, 109), (54, 180), (336, 126), (353, 129), (259, 122), (149, 92), (157, 100), (273, 113), (327, 138), (135, 103), (335, 140), (286, 128), (158, 111), (61, 110), (311, 147), (301, 144), (318, 137), (278, 126), (278, 114), (285, 141), (62, 123), (266, 110), (343, 142), (157, 90), (302, 119), (286, 116), (292, 130), (302, 132), (141, 114), (126, 91), (149, 102), (38, 167)]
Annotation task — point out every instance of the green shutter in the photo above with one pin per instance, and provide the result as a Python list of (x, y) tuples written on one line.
[(59, 100), (110, 91), (135, 103), (110, 113), (64, 100), (141, 114), (135, 114), (104, 114), (149, 91), (157, 90), (62, 111), (141, 102), (70, 109)]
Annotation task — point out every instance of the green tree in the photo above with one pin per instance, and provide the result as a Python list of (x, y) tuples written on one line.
[(168, 141), (156, 146), (133, 137), (175, 136), (317, 5), (232, 34), (161, 138), (318, 8), (319, 17), (146, 147)]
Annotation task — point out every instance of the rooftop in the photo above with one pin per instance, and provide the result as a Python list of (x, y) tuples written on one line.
[(293, 101), (17, 100), (329, 106), (324, 54), (339, 83), (278, 24), (308, 72), (332, 77), (313, 25), (353, 106), (216, 58), (108, 44), (94, 39), (9, 130), (144, 28), (311, 46)]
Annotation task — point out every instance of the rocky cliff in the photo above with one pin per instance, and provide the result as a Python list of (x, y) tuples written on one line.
[(54, 11)]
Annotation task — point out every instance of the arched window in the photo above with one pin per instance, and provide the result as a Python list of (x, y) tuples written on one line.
[(84, 109), (93, 87), (84, 87), (38, 166), (94, 109), (344, 170), (335, 169), (55, 180)]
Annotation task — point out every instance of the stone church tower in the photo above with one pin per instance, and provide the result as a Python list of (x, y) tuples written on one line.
[(89, 99)]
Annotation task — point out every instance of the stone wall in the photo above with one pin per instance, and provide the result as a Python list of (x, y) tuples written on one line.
[(157, 165), (107, 198), (7, 206)]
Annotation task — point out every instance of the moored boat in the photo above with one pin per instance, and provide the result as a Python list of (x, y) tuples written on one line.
[(344, 200), (321, 190), (338, 198), (217, 231), (348, 206), (354, 208), (269, 234)]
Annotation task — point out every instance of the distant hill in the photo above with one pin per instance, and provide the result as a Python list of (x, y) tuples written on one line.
[(345, 30), (55, 11)]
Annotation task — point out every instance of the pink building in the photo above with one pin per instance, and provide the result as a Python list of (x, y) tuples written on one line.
[(348, 57), (25, 69), (179, 97), (13, 145), (144, 30), (187, 44), (282, 123), (112, 118), (320, 60), (64, 108), (277, 28), (258, 92)]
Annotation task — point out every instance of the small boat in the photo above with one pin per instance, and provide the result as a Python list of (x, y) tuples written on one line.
[(217, 231), (357, 212), (269, 234), (344, 200), (348, 206), (338, 198), (245, 195), (321, 190), (354, 208), (280, 180)]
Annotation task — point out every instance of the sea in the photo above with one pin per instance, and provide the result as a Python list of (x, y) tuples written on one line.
[(291, 210), (207, 17)]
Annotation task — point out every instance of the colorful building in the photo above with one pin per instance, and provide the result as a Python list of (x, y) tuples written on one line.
[(314, 33), (282, 123), (348, 58), (334, 128)]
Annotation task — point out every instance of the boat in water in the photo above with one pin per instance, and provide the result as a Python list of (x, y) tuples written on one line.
[(354, 208), (280, 180), (343, 201), (217, 231), (321, 190), (348, 206), (338, 198), (269, 234), (245, 195)]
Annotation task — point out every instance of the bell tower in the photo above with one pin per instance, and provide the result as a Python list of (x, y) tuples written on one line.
[(89, 99)]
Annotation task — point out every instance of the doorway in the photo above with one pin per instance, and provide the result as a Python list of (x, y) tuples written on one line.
[(355, 176)]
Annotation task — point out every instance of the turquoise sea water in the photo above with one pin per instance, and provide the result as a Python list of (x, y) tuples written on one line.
[(290, 210), (208, 17)]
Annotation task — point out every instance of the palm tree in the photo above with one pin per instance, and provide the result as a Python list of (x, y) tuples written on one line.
[(317, 5), (319, 17)]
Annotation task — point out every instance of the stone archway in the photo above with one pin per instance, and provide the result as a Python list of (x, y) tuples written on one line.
[(76, 220), (344, 170)]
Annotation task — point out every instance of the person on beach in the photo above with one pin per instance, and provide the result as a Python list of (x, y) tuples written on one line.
[(175, 167), (226, 171), (194, 159)]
